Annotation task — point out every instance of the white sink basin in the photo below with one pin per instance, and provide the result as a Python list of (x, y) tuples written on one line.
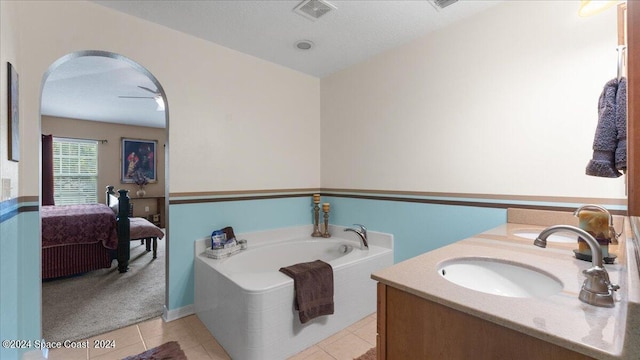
[(500, 277), (556, 238)]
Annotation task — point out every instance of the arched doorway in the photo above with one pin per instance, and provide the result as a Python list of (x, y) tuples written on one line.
[(105, 97)]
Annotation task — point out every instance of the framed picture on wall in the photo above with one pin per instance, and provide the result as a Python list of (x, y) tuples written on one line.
[(14, 119), (138, 158)]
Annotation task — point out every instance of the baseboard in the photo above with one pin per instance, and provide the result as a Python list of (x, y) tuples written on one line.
[(170, 315)]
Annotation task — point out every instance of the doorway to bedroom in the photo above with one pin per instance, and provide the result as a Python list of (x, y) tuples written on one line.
[(107, 119)]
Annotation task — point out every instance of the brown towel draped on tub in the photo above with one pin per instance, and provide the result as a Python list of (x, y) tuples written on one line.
[(313, 287)]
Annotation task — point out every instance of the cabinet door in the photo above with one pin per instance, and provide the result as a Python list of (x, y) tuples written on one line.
[(381, 338), (420, 329)]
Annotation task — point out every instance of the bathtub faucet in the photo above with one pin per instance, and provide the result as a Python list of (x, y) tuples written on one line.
[(362, 234)]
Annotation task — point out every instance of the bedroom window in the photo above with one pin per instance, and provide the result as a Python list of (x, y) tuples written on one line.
[(75, 171)]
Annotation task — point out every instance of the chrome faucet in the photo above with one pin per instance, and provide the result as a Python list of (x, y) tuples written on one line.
[(597, 289), (612, 231), (362, 234)]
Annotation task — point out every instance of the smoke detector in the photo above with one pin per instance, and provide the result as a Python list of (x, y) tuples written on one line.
[(314, 9), (441, 4)]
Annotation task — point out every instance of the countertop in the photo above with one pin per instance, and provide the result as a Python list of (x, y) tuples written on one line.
[(561, 319)]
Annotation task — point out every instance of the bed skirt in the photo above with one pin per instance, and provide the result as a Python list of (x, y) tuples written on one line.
[(74, 259)]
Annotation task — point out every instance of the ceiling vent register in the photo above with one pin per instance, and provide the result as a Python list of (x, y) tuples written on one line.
[(441, 4), (314, 9)]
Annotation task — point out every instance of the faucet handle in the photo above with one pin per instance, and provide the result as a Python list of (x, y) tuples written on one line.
[(615, 235), (362, 228), (598, 281)]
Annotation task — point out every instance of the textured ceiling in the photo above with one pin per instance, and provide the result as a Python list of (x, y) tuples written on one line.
[(267, 29), (89, 88)]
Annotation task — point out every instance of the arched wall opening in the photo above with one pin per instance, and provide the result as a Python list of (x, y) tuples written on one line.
[(162, 149)]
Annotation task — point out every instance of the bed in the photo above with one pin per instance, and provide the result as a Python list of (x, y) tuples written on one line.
[(131, 228), (81, 238)]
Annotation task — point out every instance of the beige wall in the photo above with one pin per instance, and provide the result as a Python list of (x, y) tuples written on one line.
[(502, 103), (9, 170), (110, 152), (235, 122)]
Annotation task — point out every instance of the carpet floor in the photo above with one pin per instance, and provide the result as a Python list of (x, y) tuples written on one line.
[(100, 301)]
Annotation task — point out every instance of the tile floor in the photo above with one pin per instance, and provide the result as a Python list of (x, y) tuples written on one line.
[(197, 343)]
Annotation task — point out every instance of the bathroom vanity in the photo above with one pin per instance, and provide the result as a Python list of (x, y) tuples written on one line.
[(424, 314)]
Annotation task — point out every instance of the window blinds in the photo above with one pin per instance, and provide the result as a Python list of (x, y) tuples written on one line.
[(75, 171)]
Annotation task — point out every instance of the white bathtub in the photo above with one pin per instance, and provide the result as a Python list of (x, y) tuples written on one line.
[(247, 304)]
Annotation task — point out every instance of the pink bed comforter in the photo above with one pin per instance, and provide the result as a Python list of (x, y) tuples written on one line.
[(79, 224)]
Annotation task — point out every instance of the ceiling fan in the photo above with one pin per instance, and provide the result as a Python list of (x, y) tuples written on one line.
[(156, 96)]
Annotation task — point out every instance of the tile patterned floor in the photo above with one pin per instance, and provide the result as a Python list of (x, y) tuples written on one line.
[(198, 344)]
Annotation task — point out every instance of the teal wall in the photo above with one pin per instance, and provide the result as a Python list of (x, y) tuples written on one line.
[(417, 227), (191, 222), (9, 280), (20, 289), (30, 272), (419, 224)]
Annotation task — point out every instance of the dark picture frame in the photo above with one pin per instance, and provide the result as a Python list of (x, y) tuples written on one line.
[(13, 116), (138, 156)]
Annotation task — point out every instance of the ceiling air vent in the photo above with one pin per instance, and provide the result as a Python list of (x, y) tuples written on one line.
[(441, 4), (314, 9)]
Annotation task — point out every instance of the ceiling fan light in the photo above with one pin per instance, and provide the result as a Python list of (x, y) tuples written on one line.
[(160, 101), (593, 7)]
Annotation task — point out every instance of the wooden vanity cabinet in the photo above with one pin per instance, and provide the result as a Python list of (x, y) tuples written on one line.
[(410, 327)]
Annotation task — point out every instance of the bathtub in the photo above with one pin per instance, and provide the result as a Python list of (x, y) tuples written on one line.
[(247, 304)]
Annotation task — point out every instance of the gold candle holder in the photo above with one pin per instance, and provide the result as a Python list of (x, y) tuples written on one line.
[(325, 210), (316, 222), (316, 216)]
